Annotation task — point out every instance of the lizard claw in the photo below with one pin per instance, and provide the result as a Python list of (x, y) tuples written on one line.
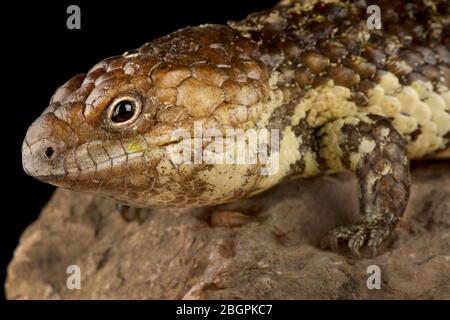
[(129, 213), (336, 237), (355, 237)]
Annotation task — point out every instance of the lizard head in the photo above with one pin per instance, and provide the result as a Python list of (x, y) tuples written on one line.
[(113, 131)]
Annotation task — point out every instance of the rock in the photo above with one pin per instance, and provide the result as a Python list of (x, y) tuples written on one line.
[(260, 248)]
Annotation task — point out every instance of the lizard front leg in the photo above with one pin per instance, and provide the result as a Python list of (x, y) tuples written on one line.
[(371, 147)]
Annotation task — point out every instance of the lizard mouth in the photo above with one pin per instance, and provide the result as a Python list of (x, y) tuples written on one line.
[(94, 165), (50, 177)]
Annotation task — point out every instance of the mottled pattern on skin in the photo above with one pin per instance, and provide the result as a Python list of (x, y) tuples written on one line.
[(342, 97), (375, 150)]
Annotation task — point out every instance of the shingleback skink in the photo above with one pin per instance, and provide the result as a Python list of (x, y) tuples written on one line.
[(339, 95)]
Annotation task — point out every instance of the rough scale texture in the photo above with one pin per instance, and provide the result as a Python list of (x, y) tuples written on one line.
[(270, 254), (341, 96)]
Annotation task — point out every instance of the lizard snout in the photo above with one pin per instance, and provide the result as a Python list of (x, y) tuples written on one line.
[(42, 151), (43, 159)]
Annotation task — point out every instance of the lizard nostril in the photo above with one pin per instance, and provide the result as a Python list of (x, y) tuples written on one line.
[(49, 152)]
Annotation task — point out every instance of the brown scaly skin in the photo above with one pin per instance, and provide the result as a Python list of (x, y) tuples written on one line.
[(343, 97), (383, 195)]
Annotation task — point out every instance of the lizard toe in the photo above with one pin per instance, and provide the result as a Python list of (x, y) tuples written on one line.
[(376, 237), (358, 239), (336, 237)]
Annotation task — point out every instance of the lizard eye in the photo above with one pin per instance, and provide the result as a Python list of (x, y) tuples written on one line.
[(123, 111)]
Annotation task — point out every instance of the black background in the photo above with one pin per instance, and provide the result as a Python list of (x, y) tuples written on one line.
[(39, 54)]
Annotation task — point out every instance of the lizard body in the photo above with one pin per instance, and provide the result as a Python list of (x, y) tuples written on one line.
[(338, 95)]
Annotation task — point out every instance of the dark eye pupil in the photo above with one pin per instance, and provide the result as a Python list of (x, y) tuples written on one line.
[(123, 111)]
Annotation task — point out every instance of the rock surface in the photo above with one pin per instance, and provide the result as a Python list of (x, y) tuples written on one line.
[(270, 252)]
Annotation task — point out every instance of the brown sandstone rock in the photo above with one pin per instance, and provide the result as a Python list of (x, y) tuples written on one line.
[(271, 252)]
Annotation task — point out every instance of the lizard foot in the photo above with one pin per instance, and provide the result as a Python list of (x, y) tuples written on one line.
[(356, 237), (130, 213)]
